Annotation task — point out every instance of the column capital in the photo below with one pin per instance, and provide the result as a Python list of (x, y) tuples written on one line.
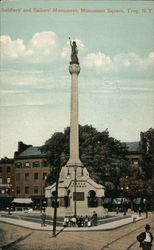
[(74, 69)]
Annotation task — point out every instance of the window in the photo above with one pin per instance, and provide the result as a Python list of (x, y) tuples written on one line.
[(26, 164), (1, 170), (35, 190), (36, 164), (17, 177), (8, 169), (26, 176), (44, 163), (35, 176), (135, 161), (92, 199), (26, 190), (18, 165), (0, 180), (17, 190)]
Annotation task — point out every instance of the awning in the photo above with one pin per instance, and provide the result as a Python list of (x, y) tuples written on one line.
[(119, 201), (107, 201), (137, 201), (22, 200)]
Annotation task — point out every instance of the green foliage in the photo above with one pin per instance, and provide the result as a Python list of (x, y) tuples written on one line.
[(148, 158), (103, 155), (57, 151), (136, 186)]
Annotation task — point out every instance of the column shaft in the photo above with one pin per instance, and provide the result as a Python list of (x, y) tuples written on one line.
[(74, 126)]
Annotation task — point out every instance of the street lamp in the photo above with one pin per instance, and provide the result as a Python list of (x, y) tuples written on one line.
[(124, 190), (42, 189), (75, 170), (9, 193)]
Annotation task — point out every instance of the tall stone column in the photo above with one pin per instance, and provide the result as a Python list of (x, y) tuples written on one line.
[(74, 160)]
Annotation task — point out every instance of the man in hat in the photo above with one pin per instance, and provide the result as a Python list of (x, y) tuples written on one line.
[(145, 238)]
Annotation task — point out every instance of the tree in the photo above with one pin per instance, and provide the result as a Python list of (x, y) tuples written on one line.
[(56, 149), (136, 186), (147, 140), (102, 155)]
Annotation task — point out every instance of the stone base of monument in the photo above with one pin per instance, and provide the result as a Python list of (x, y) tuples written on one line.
[(61, 212), (77, 194)]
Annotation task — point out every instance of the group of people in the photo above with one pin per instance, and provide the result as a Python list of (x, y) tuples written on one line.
[(80, 221)]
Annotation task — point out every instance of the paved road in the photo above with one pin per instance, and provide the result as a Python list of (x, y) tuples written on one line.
[(123, 238)]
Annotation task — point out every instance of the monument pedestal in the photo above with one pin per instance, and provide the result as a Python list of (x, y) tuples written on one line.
[(88, 194)]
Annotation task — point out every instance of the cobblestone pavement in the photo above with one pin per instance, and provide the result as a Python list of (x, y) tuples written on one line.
[(123, 238)]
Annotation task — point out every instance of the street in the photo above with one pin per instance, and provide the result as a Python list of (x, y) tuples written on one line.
[(123, 238)]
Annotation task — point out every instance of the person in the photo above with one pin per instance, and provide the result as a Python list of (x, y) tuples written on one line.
[(145, 238), (117, 210), (89, 223), (73, 220), (94, 218), (70, 221), (43, 218), (86, 221), (81, 221), (140, 210), (77, 221), (65, 222)]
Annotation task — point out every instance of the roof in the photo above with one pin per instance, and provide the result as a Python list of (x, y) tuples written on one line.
[(133, 146), (6, 160), (31, 152), (22, 200)]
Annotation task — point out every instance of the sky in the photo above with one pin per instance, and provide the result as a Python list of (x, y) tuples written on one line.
[(115, 50)]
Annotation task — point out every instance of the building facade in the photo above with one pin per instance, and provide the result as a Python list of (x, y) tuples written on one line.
[(134, 153), (7, 182), (31, 169)]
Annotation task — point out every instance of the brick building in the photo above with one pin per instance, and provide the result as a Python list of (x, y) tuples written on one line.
[(31, 169), (134, 153), (136, 150), (7, 182)]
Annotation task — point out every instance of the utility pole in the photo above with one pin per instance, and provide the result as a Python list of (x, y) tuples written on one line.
[(61, 161), (55, 204)]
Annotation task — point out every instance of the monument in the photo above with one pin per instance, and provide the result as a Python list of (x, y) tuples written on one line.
[(78, 194)]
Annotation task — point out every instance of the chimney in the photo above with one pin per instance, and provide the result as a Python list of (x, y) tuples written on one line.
[(21, 147)]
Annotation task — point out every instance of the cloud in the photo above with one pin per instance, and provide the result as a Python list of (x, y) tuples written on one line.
[(15, 82), (66, 50), (120, 63), (11, 92), (13, 49), (42, 46)]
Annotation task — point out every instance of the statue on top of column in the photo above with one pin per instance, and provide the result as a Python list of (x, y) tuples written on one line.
[(74, 52)]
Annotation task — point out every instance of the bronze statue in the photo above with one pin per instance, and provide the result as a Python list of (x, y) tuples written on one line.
[(74, 52)]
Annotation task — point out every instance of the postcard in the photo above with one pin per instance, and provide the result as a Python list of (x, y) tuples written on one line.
[(113, 45)]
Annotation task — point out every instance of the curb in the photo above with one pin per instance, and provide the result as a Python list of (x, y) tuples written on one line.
[(77, 229)]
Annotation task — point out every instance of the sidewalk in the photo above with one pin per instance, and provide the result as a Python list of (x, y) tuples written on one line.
[(103, 227)]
